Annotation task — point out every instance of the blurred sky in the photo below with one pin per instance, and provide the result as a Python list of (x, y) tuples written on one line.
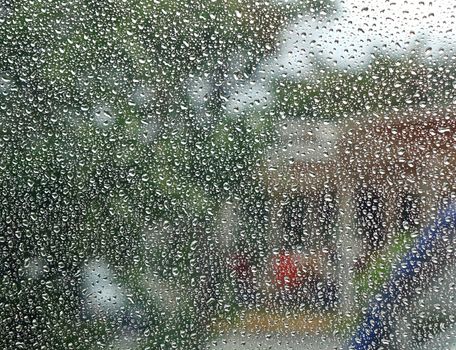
[(349, 39), (359, 28)]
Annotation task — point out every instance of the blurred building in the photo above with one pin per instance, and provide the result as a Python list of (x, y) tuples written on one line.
[(342, 191)]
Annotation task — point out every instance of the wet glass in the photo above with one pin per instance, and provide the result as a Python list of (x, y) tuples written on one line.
[(227, 174)]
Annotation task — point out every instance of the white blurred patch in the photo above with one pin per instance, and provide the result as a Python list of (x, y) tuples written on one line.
[(34, 267), (103, 116), (359, 29), (142, 95), (248, 95), (5, 83), (102, 294), (199, 89), (308, 143)]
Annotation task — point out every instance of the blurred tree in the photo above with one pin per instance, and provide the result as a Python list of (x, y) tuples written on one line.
[(385, 84), (107, 157)]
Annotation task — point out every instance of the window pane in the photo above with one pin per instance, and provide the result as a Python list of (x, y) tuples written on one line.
[(227, 174)]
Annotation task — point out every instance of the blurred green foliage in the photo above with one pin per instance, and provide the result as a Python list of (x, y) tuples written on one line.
[(101, 145), (387, 83)]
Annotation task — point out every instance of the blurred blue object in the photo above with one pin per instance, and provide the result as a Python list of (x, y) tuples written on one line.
[(427, 257)]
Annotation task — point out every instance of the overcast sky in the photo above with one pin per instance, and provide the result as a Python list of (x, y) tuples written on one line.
[(362, 27)]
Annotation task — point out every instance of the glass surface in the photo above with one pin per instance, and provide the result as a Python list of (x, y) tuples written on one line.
[(226, 174)]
